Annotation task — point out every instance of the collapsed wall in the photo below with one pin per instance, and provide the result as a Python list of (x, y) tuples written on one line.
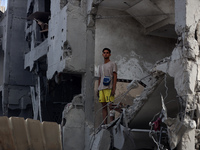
[(62, 49), (183, 65)]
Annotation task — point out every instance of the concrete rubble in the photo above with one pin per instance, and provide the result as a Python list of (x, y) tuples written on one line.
[(49, 57)]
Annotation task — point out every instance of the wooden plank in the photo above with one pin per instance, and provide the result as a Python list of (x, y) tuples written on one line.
[(6, 138), (19, 133), (35, 134), (52, 135)]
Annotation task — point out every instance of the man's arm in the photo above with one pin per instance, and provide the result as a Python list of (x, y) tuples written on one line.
[(114, 83), (99, 81)]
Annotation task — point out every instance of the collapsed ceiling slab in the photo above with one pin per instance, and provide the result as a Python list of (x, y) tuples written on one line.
[(157, 17), (153, 105), (150, 16)]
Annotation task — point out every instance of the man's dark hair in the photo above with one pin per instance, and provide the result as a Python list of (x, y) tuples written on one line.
[(106, 49)]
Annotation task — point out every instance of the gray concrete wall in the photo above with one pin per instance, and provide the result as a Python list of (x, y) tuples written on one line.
[(15, 46), (2, 44), (71, 50), (67, 39), (1, 67), (132, 50), (4, 30)]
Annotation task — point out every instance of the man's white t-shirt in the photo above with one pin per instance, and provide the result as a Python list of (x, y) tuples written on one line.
[(107, 69)]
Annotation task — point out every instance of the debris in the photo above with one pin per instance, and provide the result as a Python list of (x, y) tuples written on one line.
[(102, 140)]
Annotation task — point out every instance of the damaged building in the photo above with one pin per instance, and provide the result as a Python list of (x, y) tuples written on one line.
[(49, 57)]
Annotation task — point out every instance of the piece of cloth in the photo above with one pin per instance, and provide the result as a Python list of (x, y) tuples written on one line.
[(156, 125), (107, 69), (105, 96)]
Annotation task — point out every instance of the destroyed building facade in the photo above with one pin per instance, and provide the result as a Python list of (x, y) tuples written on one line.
[(49, 57)]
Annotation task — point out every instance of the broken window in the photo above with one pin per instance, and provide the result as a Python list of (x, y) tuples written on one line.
[(39, 29), (47, 5), (61, 91), (42, 19)]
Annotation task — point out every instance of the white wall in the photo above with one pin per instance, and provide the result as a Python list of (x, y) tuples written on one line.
[(133, 51)]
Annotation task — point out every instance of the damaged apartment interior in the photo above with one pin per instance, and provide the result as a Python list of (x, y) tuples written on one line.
[(50, 51)]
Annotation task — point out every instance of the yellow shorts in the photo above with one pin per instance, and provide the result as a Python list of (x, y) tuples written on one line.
[(105, 96)]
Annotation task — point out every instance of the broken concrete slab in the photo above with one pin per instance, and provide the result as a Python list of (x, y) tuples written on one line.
[(101, 140), (34, 55), (73, 124), (74, 22), (142, 10)]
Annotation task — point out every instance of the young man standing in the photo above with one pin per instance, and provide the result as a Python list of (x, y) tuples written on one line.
[(107, 83)]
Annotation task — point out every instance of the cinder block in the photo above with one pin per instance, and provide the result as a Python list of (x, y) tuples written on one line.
[(6, 138), (35, 134), (19, 133), (52, 135)]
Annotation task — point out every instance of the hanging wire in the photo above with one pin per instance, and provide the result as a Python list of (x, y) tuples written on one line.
[(155, 116), (157, 144), (151, 136), (159, 113), (166, 92)]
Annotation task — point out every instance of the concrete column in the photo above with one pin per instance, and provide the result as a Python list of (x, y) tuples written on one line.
[(15, 78), (89, 86), (88, 78), (186, 18)]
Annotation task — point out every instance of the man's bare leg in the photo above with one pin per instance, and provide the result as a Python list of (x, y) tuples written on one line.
[(105, 112)]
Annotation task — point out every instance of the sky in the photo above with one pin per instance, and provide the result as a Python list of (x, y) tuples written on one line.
[(4, 3)]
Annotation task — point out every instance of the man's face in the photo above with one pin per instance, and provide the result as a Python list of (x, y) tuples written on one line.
[(106, 54)]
